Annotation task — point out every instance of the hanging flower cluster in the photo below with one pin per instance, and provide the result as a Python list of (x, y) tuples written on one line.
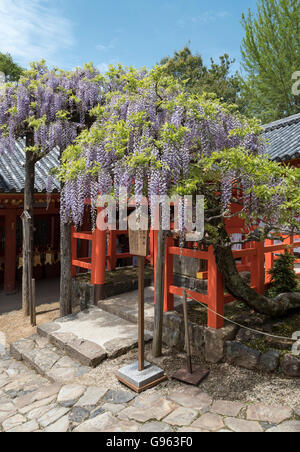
[(49, 106), (147, 136)]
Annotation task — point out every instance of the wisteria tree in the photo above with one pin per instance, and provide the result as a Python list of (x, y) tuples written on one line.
[(48, 109), (153, 139)]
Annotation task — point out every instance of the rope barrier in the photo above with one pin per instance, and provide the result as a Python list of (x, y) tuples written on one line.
[(242, 326)]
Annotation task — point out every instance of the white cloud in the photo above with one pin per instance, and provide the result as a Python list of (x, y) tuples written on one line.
[(104, 66), (206, 17), (105, 48), (33, 29)]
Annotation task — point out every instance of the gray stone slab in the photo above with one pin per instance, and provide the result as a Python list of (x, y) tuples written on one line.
[(92, 335), (140, 379)]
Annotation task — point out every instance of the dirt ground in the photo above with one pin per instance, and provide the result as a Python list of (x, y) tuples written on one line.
[(16, 326)]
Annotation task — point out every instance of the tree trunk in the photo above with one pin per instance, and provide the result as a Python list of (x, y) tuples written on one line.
[(159, 292), (237, 287), (66, 269), (29, 207)]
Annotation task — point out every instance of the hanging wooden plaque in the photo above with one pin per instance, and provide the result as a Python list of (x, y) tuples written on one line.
[(138, 243)]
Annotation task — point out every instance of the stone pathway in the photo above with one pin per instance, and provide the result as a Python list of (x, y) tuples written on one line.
[(30, 403)]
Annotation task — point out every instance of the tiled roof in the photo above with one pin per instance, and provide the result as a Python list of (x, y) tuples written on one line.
[(283, 138), (12, 175)]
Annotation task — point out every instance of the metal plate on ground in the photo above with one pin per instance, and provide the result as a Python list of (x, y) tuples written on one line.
[(194, 379)]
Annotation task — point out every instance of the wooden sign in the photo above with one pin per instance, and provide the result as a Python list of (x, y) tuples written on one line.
[(138, 243), (138, 235)]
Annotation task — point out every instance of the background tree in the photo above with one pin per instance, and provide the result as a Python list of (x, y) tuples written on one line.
[(153, 138), (271, 54), (10, 69), (47, 108), (190, 70)]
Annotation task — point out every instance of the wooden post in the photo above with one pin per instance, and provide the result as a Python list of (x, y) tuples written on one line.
[(215, 292), (27, 261), (141, 356), (33, 304), (169, 277), (187, 334), (10, 252), (159, 291)]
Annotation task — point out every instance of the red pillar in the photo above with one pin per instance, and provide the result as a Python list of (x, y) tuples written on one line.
[(269, 259), (215, 292), (74, 252), (258, 268), (169, 277), (98, 263), (10, 252)]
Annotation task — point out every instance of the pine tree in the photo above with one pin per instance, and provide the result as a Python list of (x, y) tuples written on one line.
[(10, 69), (197, 78), (271, 55), (284, 278)]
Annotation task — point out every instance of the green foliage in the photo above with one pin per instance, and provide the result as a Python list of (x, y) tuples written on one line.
[(197, 78), (11, 69), (270, 52), (284, 278)]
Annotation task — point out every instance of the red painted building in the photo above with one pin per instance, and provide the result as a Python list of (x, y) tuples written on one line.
[(46, 219)]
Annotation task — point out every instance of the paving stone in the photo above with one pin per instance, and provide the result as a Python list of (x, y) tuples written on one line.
[(36, 413), (96, 412), (156, 411), (181, 417), (226, 408), (286, 427), (9, 406), (43, 393), (6, 414), (43, 359), (92, 396), (60, 426), (79, 335), (79, 414), (69, 394), (209, 421), (265, 413), (113, 408), (297, 411), (191, 430), (242, 426), (102, 423), (52, 416), (38, 404), (118, 396), (155, 427), (28, 427), (62, 374), (191, 398), (13, 422)]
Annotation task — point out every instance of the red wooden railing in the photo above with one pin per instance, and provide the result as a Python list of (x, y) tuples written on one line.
[(104, 254), (260, 258)]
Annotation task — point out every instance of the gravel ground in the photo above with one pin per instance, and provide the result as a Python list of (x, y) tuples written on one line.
[(224, 382)]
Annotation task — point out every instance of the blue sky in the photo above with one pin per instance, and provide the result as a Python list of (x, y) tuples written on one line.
[(68, 33)]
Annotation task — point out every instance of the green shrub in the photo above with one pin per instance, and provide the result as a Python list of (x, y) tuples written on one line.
[(284, 278)]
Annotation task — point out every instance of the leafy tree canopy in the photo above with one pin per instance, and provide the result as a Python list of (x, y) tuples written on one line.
[(271, 54), (190, 70), (154, 139), (11, 70)]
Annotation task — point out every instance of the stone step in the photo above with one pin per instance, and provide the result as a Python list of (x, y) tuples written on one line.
[(47, 360), (92, 336)]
